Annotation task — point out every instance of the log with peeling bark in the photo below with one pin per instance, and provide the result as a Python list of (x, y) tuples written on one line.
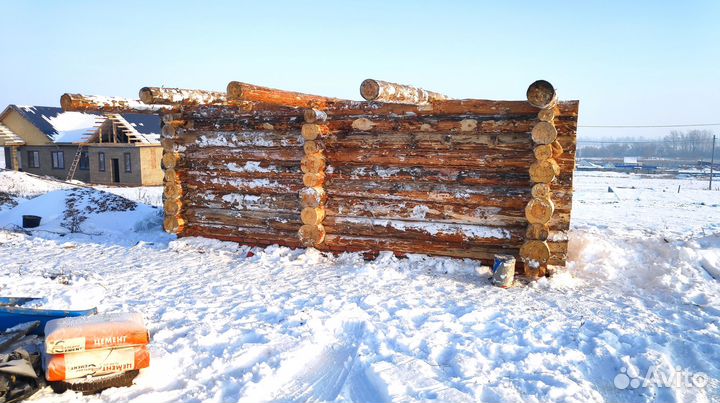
[(383, 91), (248, 92), (541, 94), (95, 103), (179, 96)]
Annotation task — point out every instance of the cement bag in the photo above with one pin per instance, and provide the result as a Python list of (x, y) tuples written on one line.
[(59, 367), (71, 335)]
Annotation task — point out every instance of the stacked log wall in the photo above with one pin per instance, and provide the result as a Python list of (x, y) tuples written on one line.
[(239, 173)]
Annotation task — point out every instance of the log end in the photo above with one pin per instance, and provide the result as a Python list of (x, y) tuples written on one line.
[(541, 94), (311, 235), (66, 102), (369, 89), (146, 95), (235, 90)]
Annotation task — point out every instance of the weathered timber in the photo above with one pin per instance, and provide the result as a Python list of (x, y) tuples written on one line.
[(313, 164), (539, 211), (252, 236), (543, 152), (383, 91), (533, 250), (248, 92), (172, 206), (241, 138), (312, 197), (245, 185), (539, 232), (173, 224), (314, 115), (548, 114), (544, 133), (313, 147), (469, 234), (311, 235), (312, 179), (179, 96), (476, 107), (544, 171), (245, 218), (448, 158), (83, 103), (541, 94), (217, 199), (311, 131), (312, 215)]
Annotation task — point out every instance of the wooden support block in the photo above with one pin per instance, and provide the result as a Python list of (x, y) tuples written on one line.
[(544, 171), (312, 215), (544, 133), (539, 211), (311, 235)]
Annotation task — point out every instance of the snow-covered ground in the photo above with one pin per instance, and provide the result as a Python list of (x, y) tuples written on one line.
[(641, 292)]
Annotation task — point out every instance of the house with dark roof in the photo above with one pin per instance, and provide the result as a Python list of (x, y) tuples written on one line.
[(112, 149)]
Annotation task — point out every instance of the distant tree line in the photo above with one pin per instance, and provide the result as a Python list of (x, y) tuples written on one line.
[(693, 144)]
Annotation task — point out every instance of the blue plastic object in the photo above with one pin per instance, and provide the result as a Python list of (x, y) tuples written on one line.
[(13, 313)]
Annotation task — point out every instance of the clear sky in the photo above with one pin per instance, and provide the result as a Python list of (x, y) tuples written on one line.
[(629, 62)]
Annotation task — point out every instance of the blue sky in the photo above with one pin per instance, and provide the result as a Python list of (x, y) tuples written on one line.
[(629, 62)]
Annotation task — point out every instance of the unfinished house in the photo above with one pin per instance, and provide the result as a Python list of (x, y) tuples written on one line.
[(113, 149)]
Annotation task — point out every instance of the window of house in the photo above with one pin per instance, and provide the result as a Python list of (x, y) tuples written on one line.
[(33, 159), (84, 161), (101, 162), (128, 168), (58, 160)]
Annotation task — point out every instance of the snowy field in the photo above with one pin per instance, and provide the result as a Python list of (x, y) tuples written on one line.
[(640, 293)]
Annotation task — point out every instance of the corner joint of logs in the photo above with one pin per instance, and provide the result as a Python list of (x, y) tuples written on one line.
[(312, 197)]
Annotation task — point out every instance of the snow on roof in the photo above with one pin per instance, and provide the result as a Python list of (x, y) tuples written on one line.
[(147, 125), (59, 126)]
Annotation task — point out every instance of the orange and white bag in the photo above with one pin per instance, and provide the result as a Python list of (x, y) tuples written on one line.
[(85, 333), (59, 367)]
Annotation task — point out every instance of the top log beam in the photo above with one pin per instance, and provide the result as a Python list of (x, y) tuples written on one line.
[(179, 96), (94, 103), (237, 91), (383, 91)]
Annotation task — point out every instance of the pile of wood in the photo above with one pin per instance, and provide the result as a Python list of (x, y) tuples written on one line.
[(407, 170)]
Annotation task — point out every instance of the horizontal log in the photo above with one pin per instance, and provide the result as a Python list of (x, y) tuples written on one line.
[(244, 235), (179, 96), (451, 158), (248, 92), (430, 141), (225, 155), (441, 174), (337, 242), (244, 186), (244, 218), (312, 115), (451, 125), (474, 107), (541, 94), (468, 234), (208, 198), (383, 91), (95, 103)]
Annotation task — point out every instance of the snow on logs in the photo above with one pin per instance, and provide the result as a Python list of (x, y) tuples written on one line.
[(95, 103), (409, 171), (179, 96), (383, 91)]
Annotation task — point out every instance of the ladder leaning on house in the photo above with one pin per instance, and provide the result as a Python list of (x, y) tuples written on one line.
[(75, 162)]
